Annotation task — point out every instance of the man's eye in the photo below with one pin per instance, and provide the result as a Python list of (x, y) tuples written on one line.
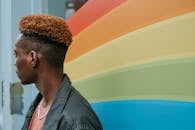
[(14, 53)]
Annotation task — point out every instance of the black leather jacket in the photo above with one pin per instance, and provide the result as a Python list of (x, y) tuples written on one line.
[(69, 111)]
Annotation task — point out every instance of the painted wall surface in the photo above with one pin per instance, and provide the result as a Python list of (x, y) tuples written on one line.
[(134, 61)]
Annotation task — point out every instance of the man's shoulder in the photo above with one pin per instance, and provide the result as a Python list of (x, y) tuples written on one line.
[(76, 102), (78, 112), (78, 107)]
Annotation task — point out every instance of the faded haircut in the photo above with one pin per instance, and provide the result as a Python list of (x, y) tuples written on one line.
[(52, 52)]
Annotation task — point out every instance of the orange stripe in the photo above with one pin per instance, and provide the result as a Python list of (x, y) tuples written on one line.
[(90, 12), (131, 15)]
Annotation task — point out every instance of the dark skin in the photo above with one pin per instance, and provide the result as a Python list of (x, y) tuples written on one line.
[(32, 67)]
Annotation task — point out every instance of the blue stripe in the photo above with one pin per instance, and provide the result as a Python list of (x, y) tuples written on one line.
[(146, 115)]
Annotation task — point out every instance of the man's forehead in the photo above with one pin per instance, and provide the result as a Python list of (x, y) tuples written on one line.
[(18, 40)]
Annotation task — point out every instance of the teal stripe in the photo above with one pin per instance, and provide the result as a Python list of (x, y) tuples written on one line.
[(172, 80), (146, 115)]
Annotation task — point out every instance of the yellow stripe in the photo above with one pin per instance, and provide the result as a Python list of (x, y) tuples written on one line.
[(169, 39)]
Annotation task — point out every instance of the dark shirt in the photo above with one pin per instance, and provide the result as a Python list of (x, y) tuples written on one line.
[(69, 111)]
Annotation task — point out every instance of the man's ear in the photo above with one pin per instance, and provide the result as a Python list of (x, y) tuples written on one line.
[(33, 58)]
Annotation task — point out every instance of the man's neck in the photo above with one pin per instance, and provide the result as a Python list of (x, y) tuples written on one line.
[(48, 84)]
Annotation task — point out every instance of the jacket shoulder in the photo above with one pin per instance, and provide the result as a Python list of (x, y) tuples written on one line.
[(79, 114)]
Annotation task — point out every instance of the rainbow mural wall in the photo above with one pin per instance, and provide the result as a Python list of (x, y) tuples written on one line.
[(134, 60)]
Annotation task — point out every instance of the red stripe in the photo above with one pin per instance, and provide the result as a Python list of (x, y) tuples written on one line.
[(90, 12)]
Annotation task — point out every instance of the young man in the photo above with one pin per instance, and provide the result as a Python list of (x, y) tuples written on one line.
[(40, 51)]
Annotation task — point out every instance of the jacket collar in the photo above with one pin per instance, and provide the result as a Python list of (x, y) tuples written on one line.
[(58, 104)]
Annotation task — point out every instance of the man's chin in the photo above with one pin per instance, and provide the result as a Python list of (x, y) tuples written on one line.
[(25, 82)]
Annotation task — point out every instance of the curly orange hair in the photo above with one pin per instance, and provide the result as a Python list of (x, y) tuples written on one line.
[(49, 26)]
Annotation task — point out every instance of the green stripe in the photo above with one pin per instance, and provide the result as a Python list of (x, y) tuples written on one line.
[(172, 80)]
